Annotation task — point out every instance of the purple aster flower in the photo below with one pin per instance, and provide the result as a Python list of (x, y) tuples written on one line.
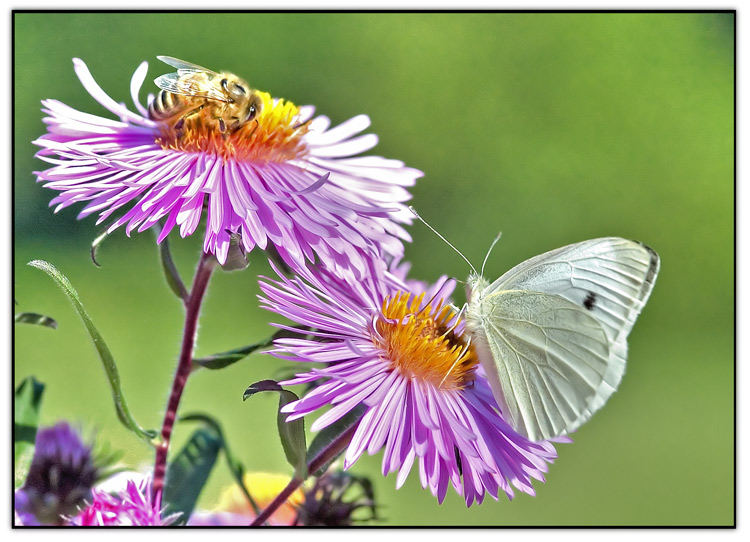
[(397, 348), (283, 179), (60, 477), (132, 506)]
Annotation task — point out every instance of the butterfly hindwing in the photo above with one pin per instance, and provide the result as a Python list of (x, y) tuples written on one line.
[(549, 357), (536, 331)]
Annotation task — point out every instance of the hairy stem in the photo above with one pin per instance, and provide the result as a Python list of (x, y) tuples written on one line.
[(325, 455), (192, 310)]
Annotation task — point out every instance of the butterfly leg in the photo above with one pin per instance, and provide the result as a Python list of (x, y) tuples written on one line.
[(459, 314)]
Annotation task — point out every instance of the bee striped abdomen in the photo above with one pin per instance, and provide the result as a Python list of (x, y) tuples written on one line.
[(165, 105)]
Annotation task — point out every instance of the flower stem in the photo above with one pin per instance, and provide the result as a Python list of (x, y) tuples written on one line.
[(192, 309), (323, 457)]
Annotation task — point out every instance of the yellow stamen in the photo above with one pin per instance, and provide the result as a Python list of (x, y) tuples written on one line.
[(421, 344), (275, 135)]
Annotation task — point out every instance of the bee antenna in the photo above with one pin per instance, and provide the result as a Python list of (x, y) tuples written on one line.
[(497, 238), (413, 210)]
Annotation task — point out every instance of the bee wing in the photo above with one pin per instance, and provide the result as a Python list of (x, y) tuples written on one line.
[(174, 83), (183, 66)]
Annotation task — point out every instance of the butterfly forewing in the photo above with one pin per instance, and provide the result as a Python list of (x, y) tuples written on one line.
[(610, 277), (551, 370)]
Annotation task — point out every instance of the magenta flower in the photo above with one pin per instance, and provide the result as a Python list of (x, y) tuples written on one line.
[(132, 507), (397, 348), (60, 477), (281, 180)]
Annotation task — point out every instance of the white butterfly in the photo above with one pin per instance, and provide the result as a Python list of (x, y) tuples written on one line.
[(550, 333)]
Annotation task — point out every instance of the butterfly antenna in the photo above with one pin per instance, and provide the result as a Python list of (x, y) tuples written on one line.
[(497, 238), (413, 210)]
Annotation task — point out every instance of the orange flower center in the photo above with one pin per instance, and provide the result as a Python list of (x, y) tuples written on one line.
[(421, 343), (275, 135)]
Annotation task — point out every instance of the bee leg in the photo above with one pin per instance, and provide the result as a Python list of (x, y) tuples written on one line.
[(225, 130), (181, 122), (222, 124), (253, 130)]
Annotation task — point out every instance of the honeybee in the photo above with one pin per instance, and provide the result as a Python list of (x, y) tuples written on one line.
[(223, 100)]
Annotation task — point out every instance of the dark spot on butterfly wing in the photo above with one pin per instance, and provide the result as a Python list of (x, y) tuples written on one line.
[(590, 301)]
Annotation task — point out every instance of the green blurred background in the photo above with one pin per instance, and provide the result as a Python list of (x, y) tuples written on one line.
[(553, 128)]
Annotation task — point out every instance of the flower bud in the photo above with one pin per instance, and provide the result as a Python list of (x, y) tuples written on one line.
[(334, 499), (236, 256), (60, 477)]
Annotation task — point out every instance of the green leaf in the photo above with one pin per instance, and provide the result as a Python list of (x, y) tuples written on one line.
[(36, 319), (105, 459), (170, 271), (332, 432), (225, 359), (108, 362), (369, 494), (188, 472), (26, 404), (235, 466), (95, 247), (292, 433)]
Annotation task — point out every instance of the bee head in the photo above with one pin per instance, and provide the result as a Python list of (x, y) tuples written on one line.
[(241, 93), (234, 88), (254, 106)]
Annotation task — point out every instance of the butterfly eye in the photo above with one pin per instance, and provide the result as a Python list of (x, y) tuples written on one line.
[(224, 84)]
